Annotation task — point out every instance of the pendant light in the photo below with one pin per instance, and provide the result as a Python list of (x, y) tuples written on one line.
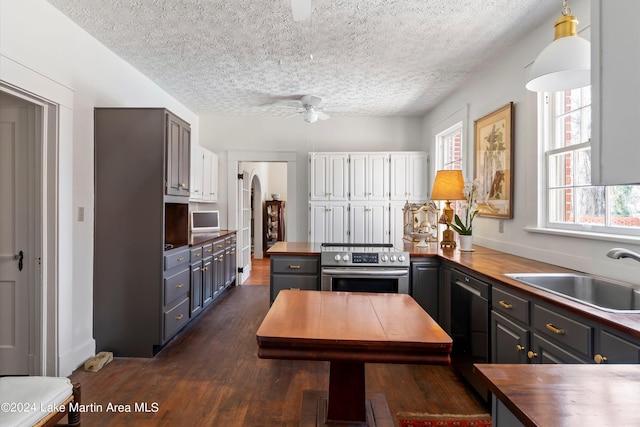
[(566, 63)]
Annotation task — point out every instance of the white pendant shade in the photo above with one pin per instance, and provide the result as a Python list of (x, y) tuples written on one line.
[(563, 65)]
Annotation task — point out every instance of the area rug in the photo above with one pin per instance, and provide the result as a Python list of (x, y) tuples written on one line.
[(411, 419)]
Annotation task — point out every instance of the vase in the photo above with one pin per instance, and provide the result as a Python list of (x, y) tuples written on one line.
[(466, 243)]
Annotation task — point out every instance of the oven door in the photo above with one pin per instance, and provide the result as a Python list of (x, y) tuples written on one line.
[(357, 279)]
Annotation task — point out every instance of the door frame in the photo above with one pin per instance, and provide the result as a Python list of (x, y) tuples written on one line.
[(43, 283), (233, 214)]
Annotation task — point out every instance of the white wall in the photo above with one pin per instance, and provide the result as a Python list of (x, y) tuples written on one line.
[(256, 134), (503, 80), (36, 39)]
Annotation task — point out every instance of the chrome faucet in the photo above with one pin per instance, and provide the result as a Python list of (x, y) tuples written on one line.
[(617, 253)]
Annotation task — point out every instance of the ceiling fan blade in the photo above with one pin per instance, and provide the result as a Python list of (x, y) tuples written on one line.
[(301, 9), (322, 115), (293, 114)]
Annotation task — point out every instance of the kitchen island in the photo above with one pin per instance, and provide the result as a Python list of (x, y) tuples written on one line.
[(564, 395)]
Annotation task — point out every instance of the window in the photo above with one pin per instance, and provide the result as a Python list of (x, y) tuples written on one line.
[(571, 201), (449, 148)]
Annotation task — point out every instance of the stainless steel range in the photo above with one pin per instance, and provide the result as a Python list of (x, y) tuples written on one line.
[(355, 267)]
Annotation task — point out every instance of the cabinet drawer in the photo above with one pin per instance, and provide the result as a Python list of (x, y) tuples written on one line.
[(207, 250), (218, 245), (176, 285), (510, 305), (562, 329), (294, 265), (292, 281), (176, 259), (176, 318), (196, 254)]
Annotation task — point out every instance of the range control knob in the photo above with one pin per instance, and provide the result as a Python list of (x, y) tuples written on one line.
[(337, 257), (345, 258), (384, 258), (393, 258), (401, 258)]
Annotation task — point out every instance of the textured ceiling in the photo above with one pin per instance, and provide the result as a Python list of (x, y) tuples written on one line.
[(366, 57)]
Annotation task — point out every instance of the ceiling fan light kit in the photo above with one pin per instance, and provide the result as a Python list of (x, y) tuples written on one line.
[(566, 63)]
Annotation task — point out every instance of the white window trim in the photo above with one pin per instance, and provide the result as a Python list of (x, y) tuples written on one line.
[(446, 125)]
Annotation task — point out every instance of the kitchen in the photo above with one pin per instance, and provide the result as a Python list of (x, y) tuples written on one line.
[(238, 139)]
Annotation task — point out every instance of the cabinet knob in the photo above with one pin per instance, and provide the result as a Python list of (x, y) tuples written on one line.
[(179, 316), (532, 354), (519, 348), (598, 358), (180, 258), (179, 285)]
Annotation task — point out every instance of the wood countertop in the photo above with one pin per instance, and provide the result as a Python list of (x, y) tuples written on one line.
[(491, 265), (566, 395)]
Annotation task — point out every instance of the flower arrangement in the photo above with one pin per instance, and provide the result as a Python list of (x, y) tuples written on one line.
[(470, 206)]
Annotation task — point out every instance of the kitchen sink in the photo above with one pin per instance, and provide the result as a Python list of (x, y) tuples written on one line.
[(605, 294)]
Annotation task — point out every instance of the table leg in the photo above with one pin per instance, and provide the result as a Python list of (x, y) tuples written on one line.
[(346, 392)]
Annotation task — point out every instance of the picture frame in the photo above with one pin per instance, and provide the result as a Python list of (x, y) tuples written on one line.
[(494, 162)]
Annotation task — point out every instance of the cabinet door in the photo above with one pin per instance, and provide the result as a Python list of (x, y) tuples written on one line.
[(378, 177), (425, 287), (509, 342), (616, 349), (358, 220), (338, 223), (197, 170), (358, 175), (544, 351), (399, 167), (338, 177), (207, 280), (206, 175), (196, 288), (213, 183), (178, 156), (615, 59), (318, 176), (396, 224), (318, 222), (378, 223), (417, 176)]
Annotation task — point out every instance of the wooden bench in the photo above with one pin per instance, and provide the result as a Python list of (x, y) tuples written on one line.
[(38, 401)]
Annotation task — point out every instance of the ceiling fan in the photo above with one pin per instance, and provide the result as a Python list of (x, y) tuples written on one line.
[(301, 9), (310, 109)]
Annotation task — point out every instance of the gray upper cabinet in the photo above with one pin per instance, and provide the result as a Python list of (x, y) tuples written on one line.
[(615, 58), (178, 156)]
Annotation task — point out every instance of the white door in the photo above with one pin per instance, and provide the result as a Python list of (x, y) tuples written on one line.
[(338, 225), (396, 224), (318, 213), (378, 223), (244, 200), (358, 222), (14, 240)]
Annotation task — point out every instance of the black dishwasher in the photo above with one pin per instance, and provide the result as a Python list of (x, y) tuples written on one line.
[(470, 327)]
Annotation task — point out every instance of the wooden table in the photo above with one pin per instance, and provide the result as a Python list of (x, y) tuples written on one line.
[(348, 329), (566, 395)]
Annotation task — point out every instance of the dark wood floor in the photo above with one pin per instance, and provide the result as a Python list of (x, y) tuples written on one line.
[(210, 375)]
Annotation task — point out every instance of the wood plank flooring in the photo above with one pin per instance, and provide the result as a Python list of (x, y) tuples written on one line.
[(210, 375)]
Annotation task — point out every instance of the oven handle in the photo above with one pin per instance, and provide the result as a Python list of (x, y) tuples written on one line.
[(351, 272)]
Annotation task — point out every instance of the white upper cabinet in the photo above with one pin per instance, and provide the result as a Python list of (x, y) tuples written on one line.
[(328, 176), (615, 81), (369, 176), (409, 176), (204, 175)]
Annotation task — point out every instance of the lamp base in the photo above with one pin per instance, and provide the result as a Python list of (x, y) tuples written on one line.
[(448, 239)]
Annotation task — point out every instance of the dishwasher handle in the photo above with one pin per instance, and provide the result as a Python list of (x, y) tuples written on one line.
[(469, 289)]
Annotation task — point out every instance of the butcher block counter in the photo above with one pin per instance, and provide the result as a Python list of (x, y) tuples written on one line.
[(566, 395), (492, 265)]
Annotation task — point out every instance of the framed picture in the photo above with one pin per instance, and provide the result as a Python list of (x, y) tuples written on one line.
[(494, 162)]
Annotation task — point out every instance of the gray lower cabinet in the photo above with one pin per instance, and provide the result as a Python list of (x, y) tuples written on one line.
[(425, 275), (176, 287), (294, 272), (615, 347), (196, 288)]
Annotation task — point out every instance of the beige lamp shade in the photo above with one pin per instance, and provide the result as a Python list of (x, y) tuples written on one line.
[(448, 185)]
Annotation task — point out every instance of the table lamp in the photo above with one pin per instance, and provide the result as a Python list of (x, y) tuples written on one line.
[(448, 186)]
